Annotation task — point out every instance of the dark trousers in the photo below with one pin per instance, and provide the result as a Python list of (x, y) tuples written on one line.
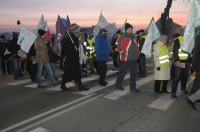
[(196, 84), (5, 65), (32, 69), (95, 63), (182, 73), (142, 64), (115, 61), (102, 71), (158, 83)]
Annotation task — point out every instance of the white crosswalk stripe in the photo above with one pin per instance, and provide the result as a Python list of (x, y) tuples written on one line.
[(118, 93)]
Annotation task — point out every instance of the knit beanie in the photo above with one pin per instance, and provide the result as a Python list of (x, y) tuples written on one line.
[(41, 32), (127, 26), (74, 28)]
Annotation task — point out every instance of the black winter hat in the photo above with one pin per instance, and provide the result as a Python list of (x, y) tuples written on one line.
[(41, 32), (2, 37), (128, 26)]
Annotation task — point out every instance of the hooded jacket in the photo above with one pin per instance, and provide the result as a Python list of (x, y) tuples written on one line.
[(101, 47)]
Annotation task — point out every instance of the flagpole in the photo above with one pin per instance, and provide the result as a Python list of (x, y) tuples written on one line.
[(10, 57), (71, 39)]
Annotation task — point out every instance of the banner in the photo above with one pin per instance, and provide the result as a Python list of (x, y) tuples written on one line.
[(26, 38), (102, 23), (60, 33), (153, 34), (123, 26), (192, 22), (42, 24)]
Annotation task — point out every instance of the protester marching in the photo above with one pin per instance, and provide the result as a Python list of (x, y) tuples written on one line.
[(78, 52)]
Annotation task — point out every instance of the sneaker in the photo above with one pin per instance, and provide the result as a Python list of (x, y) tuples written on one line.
[(135, 90), (190, 103), (184, 91), (173, 95), (120, 88)]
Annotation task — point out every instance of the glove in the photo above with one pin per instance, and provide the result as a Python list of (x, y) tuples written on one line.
[(158, 68)]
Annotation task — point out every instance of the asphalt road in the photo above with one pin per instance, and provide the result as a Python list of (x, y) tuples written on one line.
[(23, 107)]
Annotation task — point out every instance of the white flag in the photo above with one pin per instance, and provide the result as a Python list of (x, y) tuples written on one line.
[(123, 26), (26, 38), (192, 22), (102, 23), (153, 34), (41, 25)]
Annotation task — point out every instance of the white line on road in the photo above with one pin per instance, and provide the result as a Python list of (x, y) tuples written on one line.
[(164, 101), (57, 114), (69, 84), (19, 82), (43, 114), (118, 93)]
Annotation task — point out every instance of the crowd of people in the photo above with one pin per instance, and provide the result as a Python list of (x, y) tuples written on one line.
[(79, 50)]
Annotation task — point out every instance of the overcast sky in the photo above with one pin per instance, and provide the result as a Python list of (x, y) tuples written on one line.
[(86, 12)]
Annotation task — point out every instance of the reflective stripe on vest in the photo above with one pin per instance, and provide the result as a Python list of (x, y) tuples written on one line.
[(182, 56), (90, 47), (164, 56)]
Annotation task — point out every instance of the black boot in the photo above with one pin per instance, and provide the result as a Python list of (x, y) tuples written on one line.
[(80, 85), (63, 87)]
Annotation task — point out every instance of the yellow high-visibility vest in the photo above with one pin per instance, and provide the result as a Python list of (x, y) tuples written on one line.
[(90, 47), (164, 56), (182, 56)]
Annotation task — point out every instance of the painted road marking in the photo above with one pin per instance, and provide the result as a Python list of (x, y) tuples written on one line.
[(19, 82), (164, 101), (45, 113), (58, 114), (84, 80), (118, 93)]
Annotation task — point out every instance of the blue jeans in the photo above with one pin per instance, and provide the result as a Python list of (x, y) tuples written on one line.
[(124, 65), (16, 67), (39, 72), (196, 84), (180, 74)]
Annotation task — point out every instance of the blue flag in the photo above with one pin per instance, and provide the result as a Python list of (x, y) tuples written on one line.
[(60, 33)]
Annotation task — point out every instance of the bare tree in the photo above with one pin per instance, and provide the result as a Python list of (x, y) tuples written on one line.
[(165, 15)]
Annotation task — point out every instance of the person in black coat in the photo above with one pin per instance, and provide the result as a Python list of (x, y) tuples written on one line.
[(13, 47), (4, 65), (196, 65), (70, 46)]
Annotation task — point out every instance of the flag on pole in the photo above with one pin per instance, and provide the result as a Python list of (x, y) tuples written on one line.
[(42, 24), (192, 22), (102, 23), (68, 24), (60, 33), (123, 26), (26, 38), (153, 34)]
